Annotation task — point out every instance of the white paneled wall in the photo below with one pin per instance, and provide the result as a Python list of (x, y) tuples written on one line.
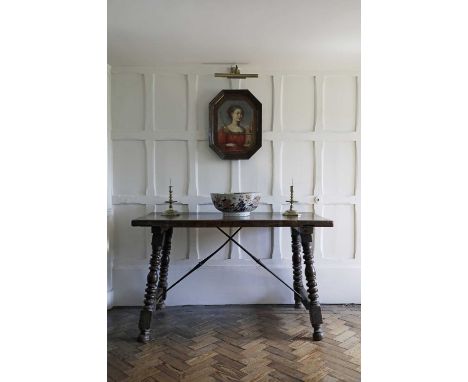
[(310, 134)]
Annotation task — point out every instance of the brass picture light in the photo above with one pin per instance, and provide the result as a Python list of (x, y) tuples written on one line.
[(235, 73)]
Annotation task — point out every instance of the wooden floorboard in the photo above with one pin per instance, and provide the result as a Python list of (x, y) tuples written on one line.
[(255, 343)]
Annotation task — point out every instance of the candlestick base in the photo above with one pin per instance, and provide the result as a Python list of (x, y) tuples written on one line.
[(291, 213), (170, 212)]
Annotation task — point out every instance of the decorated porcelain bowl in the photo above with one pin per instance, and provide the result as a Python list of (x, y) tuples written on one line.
[(236, 203)]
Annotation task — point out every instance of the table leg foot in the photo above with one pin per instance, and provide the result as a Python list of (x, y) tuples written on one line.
[(315, 314), (318, 333), (144, 336)]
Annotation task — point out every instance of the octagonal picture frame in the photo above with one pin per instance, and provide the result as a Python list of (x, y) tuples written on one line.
[(235, 124)]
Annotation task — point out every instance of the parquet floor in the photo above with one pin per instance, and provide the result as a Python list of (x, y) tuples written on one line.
[(235, 343)]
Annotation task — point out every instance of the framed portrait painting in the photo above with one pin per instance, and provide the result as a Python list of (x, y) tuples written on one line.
[(235, 130)]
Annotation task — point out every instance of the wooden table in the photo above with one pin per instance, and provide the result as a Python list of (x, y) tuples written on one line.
[(302, 229)]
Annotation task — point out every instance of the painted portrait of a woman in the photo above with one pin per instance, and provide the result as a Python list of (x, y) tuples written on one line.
[(235, 129), (235, 137)]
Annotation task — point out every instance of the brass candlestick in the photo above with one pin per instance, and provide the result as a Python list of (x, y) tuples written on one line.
[(291, 212), (170, 211)]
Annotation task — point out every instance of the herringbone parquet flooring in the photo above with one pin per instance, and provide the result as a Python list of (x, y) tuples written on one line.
[(235, 343)]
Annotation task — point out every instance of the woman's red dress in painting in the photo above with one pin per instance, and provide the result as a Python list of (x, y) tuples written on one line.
[(232, 141)]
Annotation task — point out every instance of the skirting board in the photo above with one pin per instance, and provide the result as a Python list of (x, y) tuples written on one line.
[(219, 285)]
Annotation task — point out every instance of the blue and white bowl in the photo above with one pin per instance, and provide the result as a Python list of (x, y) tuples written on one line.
[(236, 203)]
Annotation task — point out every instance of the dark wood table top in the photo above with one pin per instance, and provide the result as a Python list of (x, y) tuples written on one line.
[(215, 219)]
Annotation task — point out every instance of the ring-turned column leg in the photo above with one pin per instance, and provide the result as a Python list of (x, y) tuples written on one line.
[(162, 285), (297, 266), (315, 312), (152, 280)]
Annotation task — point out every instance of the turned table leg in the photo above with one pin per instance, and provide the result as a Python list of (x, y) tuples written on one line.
[(315, 312), (162, 285), (150, 292), (297, 267)]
